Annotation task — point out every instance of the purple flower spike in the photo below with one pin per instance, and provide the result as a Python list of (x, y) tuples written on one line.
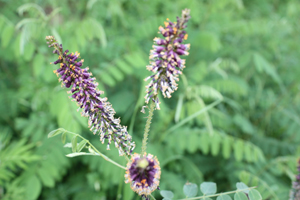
[(165, 61), (143, 174), (295, 191), (83, 90)]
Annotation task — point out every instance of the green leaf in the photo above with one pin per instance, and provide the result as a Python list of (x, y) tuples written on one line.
[(204, 143), (38, 64), (25, 7), (208, 188), (29, 49), (190, 189), (68, 145), (74, 143), (66, 113), (224, 197), (235, 86), (262, 64), (238, 149), (242, 186), (136, 59), (193, 142), (167, 194), (81, 154), (249, 152), (226, 147), (33, 187), (107, 79), (254, 195), (56, 132), (63, 137), (244, 124), (81, 145), (6, 35), (208, 92), (124, 66), (80, 39), (209, 41), (46, 178), (25, 21), (240, 196), (178, 108), (215, 145), (116, 73), (99, 32)]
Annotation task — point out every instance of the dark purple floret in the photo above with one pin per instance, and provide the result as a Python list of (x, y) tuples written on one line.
[(143, 174), (165, 59), (83, 90), (295, 191)]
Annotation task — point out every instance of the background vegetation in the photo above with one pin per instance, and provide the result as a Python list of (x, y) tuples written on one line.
[(245, 54)]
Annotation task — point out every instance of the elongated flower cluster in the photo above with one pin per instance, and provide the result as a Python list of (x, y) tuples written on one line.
[(84, 91), (143, 174), (295, 191), (165, 61)]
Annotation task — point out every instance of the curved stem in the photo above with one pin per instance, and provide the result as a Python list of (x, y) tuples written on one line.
[(147, 127), (98, 152), (215, 195)]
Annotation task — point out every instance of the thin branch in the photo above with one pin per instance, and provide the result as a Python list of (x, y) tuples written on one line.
[(98, 152), (215, 195)]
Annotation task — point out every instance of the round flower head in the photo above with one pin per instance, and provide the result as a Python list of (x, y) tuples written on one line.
[(143, 174)]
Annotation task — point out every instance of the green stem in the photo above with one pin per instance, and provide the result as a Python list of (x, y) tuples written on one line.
[(215, 195), (152, 197), (98, 152), (147, 127)]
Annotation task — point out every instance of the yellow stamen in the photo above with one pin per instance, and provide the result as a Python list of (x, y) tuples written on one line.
[(174, 30), (185, 36)]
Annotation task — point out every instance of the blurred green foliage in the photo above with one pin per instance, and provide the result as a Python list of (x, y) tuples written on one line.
[(243, 52)]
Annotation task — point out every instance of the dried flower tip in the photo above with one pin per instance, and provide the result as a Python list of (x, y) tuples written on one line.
[(143, 109)]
